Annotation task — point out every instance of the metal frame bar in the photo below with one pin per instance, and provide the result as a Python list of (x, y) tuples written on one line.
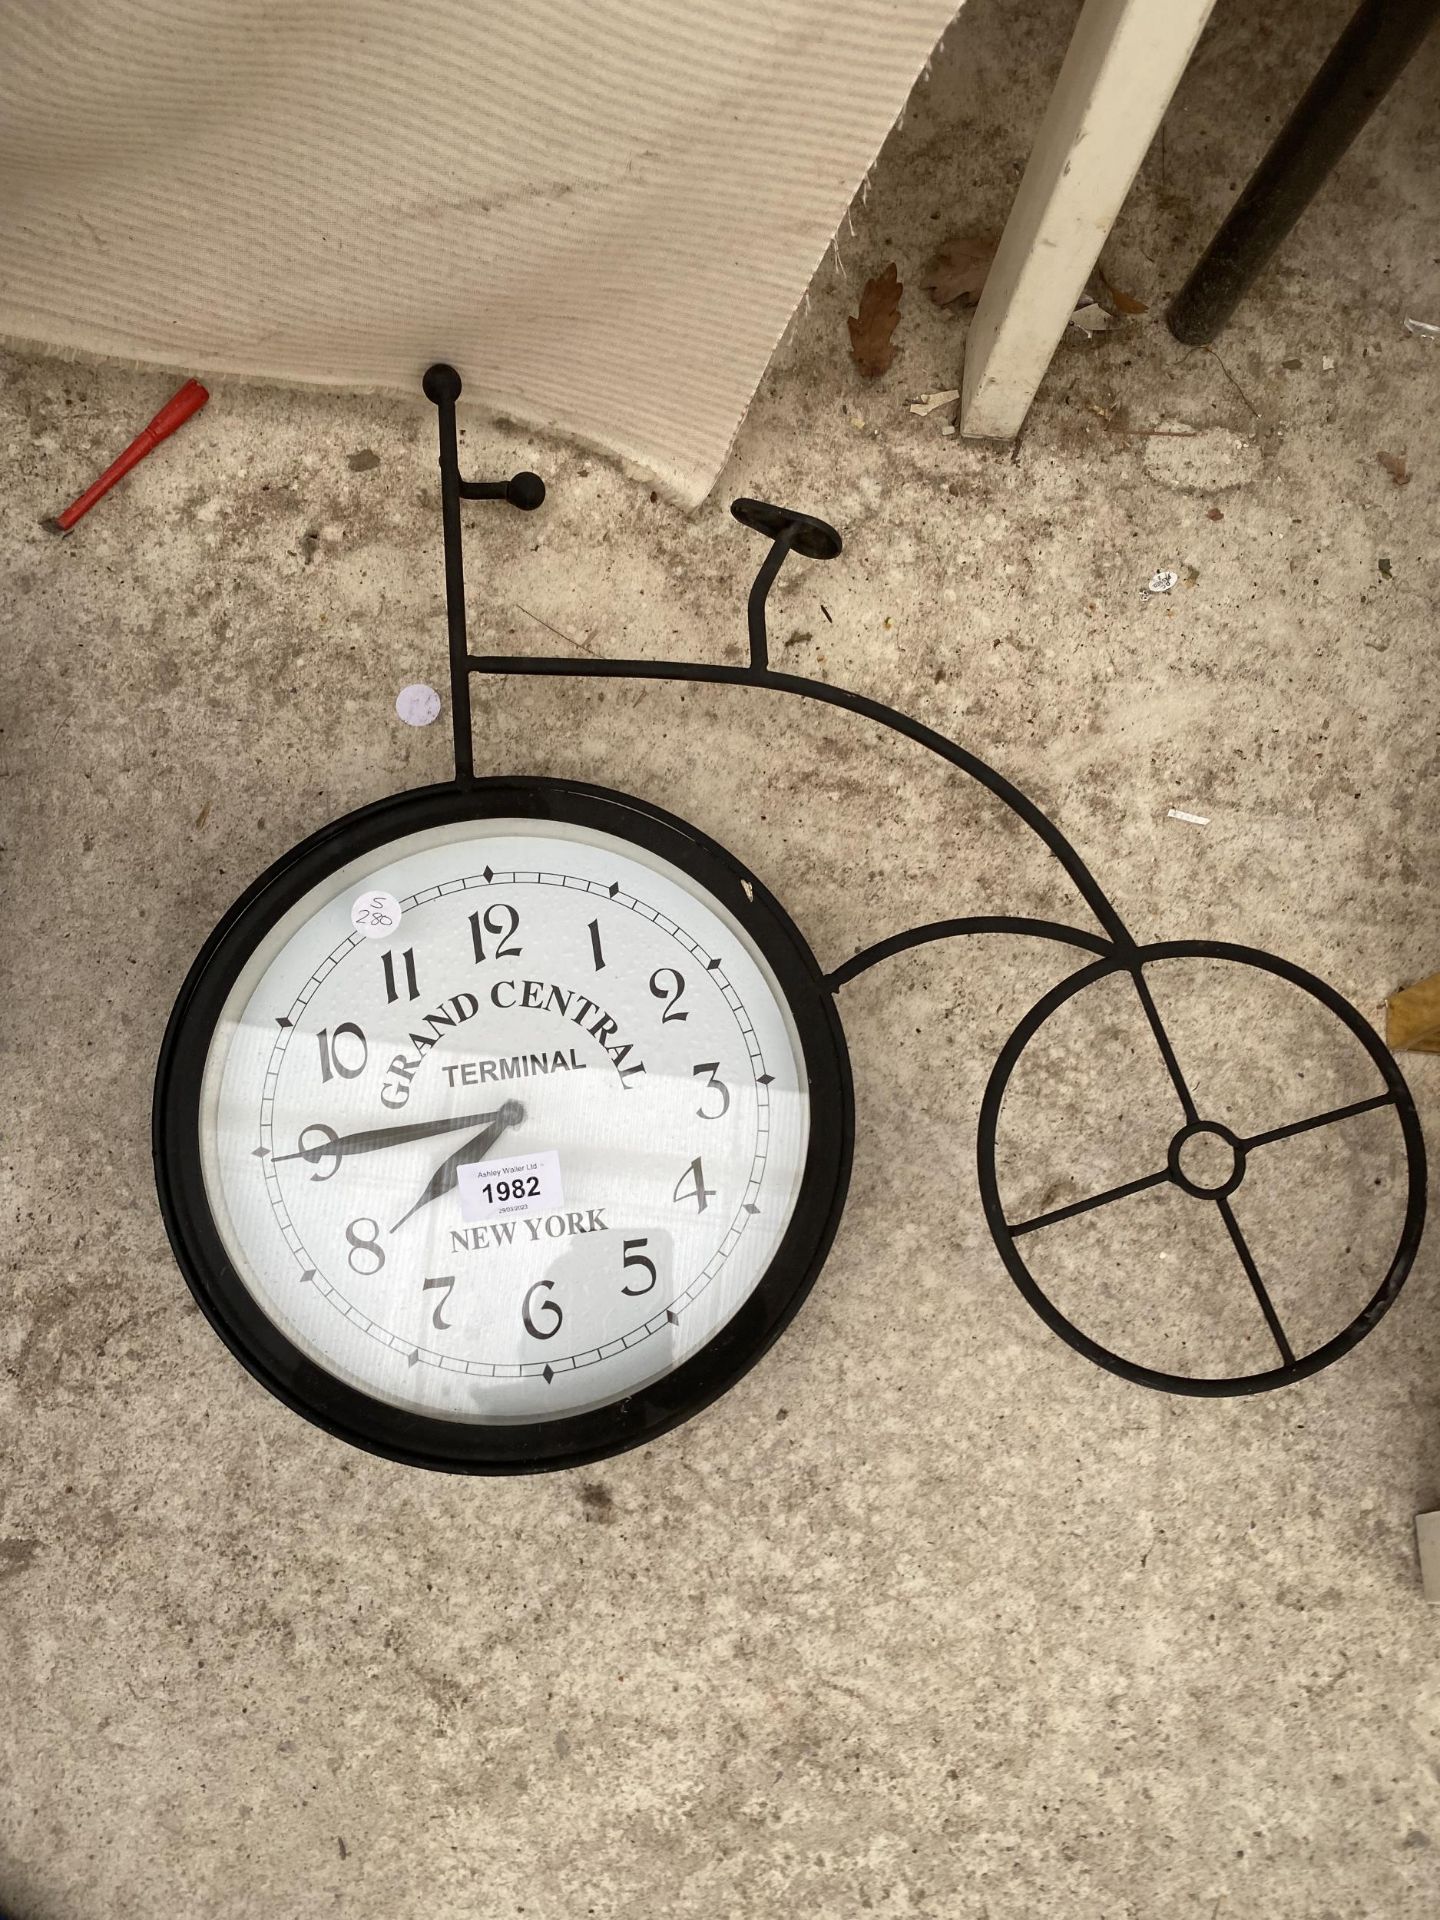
[(791, 531), (1361, 68)]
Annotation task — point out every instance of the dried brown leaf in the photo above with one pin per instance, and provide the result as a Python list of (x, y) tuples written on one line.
[(958, 271), (871, 346), (1121, 301), (1394, 465)]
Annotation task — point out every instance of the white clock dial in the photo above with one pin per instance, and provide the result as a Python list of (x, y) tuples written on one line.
[(521, 1154)]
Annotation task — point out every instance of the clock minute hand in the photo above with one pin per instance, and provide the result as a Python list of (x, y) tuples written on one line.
[(475, 1148), (375, 1138)]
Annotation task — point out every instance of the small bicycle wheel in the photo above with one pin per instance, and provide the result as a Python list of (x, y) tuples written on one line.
[(1211, 1174)]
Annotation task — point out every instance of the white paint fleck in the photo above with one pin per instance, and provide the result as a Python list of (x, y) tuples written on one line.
[(417, 705), (929, 402), (1425, 329), (1163, 581), (1190, 819)]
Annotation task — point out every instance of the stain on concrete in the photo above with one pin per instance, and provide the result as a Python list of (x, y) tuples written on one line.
[(597, 1501), (16, 1555)]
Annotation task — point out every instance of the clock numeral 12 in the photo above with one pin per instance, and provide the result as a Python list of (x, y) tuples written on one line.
[(698, 1191), (493, 923), (387, 960)]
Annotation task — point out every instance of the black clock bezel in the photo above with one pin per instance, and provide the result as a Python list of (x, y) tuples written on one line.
[(572, 1440)]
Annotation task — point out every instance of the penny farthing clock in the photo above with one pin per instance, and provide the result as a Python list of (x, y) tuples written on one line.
[(504, 1124)]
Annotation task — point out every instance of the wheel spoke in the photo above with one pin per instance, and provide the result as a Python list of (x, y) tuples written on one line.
[(1247, 1259), (1095, 1200), (1318, 1120), (1162, 1040)]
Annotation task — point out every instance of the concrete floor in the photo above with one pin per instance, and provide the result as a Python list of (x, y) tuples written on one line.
[(929, 1616)]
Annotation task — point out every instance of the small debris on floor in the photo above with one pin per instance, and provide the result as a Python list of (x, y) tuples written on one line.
[(318, 544), (1213, 513), (871, 345), (1091, 317), (1205, 460), (363, 462), (1384, 566), (180, 407), (1190, 819), (1425, 329), (1292, 365), (1412, 1017), (1122, 302), (1327, 363), (417, 705), (1394, 465), (1162, 582), (957, 274), (929, 402)]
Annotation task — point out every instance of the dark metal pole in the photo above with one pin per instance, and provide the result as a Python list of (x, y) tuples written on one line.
[(760, 592), (1365, 62), (523, 490), (442, 385)]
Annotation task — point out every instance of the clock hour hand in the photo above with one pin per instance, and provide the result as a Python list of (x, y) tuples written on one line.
[(374, 1138), (476, 1148)]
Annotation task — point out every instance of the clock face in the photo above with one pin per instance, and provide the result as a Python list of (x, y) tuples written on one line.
[(514, 1137)]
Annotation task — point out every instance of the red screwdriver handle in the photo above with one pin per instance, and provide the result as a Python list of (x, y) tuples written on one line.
[(175, 412)]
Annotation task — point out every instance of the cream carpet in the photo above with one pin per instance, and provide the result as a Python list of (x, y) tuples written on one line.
[(603, 214)]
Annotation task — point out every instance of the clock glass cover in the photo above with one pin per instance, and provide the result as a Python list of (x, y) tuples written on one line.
[(507, 1135)]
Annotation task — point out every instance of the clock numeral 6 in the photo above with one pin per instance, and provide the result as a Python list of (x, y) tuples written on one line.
[(714, 1085), (634, 1259), (332, 1057), (363, 1245), (669, 994), (545, 1306), (697, 1191), (495, 923), (387, 961)]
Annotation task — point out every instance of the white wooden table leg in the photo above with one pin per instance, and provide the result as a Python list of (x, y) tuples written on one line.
[(1124, 62)]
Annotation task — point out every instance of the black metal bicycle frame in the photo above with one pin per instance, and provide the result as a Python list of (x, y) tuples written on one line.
[(790, 531)]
